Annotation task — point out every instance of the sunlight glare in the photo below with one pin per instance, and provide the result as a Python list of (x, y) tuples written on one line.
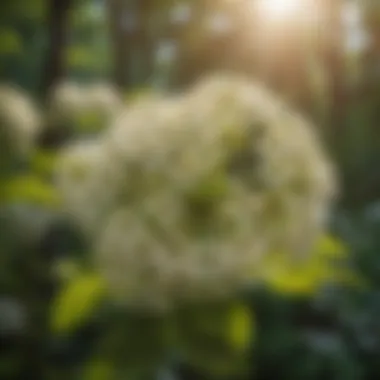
[(280, 10)]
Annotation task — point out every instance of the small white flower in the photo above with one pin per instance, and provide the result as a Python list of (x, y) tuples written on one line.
[(180, 13), (80, 107), (19, 122), (104, 99), (84, 177)]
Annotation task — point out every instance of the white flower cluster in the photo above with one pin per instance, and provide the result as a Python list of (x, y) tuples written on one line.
[(19, 123), (83, 107), (184, 196)]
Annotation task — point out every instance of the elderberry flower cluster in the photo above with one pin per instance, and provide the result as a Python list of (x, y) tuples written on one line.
[(183, 197), (82, 108), (19, 124)]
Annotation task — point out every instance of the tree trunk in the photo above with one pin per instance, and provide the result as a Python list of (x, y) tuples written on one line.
[(54, 68), (117, 11), (335, 66), (144, 42), (131, 41)]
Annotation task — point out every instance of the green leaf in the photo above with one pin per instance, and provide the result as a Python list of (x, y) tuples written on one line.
[(326, 263), (43, 163), (215, 338), (330, 247), (90, 122), (10, 42), (240, 326), (136, 343), (30, 189), (79, 57), (98, 369), (76, 302)]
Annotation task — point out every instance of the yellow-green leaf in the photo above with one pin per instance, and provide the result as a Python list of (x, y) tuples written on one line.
[(43, 162), (79, 56), (240, 326), (215, 338), (283, 276), (76, 301), (99, 370), (330, 247), (10, 42), (90, 122), (30, 189)]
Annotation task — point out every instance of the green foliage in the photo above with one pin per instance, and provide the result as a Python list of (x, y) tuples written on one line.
[(80, 59), (10, 43), (43, 163), (76, 302), (29, 10), (215, 338), (99, 370), (29, 189), (327, 264), (212, 338), (134, 344)]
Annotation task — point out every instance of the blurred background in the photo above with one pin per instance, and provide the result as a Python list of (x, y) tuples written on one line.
[(323, 56)]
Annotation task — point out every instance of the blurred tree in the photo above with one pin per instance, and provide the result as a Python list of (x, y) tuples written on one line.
[(88, 54), (131, 26), (334, 60), (121, 50), (57, 23), (213, 36), (21, 41)]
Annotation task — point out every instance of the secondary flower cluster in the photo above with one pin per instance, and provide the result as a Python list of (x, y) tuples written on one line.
[(183, 197), (19, 124), (83, 107)]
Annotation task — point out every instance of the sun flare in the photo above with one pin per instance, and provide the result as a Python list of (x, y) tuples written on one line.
[(280, 10)]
